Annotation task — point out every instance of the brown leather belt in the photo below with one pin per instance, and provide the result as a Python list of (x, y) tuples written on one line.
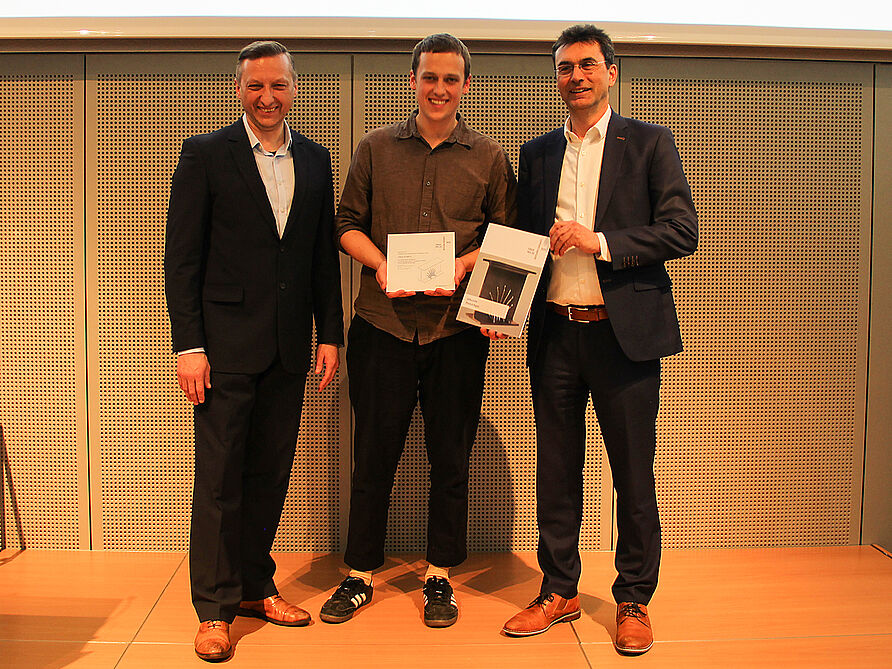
[(580, 314)]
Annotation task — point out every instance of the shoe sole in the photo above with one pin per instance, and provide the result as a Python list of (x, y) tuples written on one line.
[(441, 623), (567, 618), (250, 613), (632, 651), (334, 620)]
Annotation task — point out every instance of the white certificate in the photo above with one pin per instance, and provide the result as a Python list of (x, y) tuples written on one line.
[(421, 261)]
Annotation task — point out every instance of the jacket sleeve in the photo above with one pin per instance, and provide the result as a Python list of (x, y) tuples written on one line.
[(326, 279), (672, 230), (188, 216)]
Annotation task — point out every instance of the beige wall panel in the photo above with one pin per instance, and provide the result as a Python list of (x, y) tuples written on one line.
[(43, 472), (512, 99), (760, 436), (142, 451), (877, 527)]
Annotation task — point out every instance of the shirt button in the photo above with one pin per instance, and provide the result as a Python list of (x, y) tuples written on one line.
[(282, 286), (424, 214), (427, 183)]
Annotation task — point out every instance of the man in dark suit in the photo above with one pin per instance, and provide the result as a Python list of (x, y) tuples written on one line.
[(611, 194), (249, 264)]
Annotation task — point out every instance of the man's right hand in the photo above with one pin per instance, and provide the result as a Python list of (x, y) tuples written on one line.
[(193, 375), (381, 276)]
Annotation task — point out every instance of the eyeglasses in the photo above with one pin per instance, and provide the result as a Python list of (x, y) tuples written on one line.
[(587, 66)]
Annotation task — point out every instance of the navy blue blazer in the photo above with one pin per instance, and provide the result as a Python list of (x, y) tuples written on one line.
[(647, 216), (232, 286)]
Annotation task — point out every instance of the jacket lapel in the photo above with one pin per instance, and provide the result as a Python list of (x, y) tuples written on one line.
[(614, 149), (243, 156), (553, 163), (300, 180)]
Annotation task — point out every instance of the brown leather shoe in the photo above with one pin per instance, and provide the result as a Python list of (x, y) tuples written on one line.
[(275, 610), (544, 611), (212, 641), (633, 633)]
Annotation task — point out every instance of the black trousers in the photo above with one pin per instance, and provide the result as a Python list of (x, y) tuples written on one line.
[(245, 437), (578, 360), (388, 376)]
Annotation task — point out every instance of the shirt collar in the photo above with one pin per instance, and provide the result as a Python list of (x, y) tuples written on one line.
[(595, 133), (254, 142), (460, 134)]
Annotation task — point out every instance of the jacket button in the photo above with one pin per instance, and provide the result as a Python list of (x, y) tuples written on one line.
[(282, 285)]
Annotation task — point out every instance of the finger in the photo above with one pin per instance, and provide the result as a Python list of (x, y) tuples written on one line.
[(327, 377), (199, 392), (190, 392)]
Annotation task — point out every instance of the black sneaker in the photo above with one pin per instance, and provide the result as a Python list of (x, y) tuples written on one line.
[(440, 609), (350, 595)]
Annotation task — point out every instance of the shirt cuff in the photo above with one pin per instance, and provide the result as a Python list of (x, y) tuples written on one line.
[(604, 253), (191, 350)]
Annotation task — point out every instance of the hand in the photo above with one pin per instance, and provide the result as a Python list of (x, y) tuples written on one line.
[(492, 334), (381, 277), (566, 235), (460, 270), (327, 359), (193, 375)]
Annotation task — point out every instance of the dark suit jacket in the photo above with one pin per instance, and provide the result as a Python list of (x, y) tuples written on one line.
[(232, 286), (645, 212)]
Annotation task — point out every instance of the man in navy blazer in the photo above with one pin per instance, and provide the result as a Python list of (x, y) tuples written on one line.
[(611, 194), (249, 264)]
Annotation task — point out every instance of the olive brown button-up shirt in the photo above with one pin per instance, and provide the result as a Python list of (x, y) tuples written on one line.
[(398, 184)]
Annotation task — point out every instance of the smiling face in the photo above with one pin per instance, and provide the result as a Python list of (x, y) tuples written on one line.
[(439, 83), (586, 95), (266, 89)]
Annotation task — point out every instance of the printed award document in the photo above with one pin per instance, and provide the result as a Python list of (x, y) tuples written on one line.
[(504, 280), (421, 261)]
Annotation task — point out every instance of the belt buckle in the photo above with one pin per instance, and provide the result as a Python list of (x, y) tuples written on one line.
[(570, 316)]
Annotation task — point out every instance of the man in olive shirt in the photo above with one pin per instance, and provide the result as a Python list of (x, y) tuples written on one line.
[(429, 173)]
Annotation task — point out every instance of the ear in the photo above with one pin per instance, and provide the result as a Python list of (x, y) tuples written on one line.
[(612, 75), (412, 82), (467, 85)]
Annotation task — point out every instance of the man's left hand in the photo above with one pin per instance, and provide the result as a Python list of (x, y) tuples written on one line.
[(568, 234), (460, 270), (327, 360)]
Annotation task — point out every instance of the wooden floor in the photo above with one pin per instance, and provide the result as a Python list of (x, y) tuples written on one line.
[(794, 607)]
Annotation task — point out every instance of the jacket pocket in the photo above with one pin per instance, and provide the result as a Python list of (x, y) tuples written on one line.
[(652, 280), (218, 292)]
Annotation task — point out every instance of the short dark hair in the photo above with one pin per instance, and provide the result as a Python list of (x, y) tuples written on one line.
[(588, 34), (441, 43), (262, 49)]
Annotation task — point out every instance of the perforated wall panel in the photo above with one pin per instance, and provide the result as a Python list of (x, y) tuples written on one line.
[(511, 100), (761, 426), (145, 107), (41, 283)]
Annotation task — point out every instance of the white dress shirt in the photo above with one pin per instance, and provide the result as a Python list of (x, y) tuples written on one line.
[(574, 276), (277, 172)]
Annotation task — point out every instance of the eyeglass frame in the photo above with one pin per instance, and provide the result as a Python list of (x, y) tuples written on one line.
[(586, 65)]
